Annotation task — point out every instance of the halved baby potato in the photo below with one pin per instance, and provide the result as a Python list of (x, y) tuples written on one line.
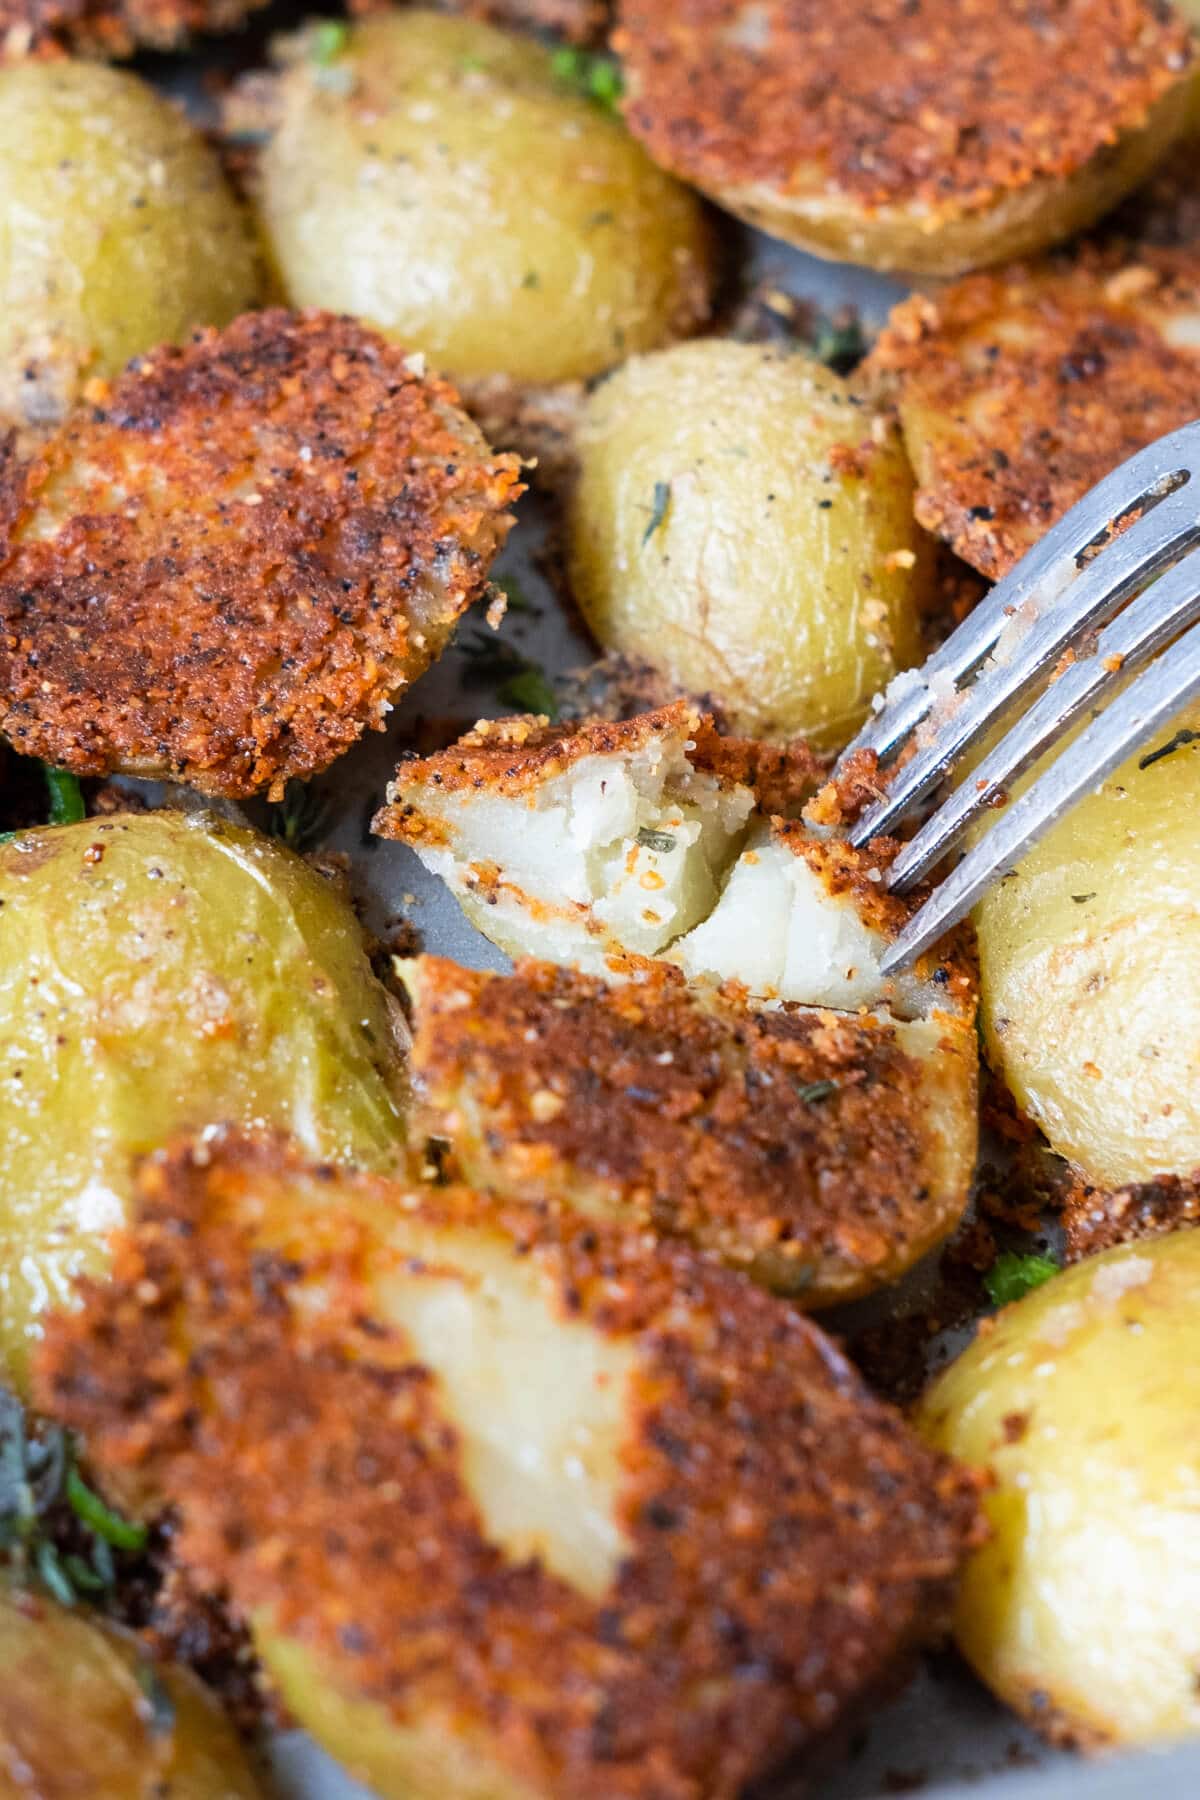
[(435, 178), (742, 520), (161, 973), (227, 567), (1018, 391), (86, 1714), (933, 139), (825, 1153), (520, 1505), (118, 232), (1082, 1609)]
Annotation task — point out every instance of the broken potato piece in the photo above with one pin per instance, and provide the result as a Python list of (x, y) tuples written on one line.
[(519, 1504), (575, 843), (1018, 391), (824, 1153), (226, 568), (934, 139)]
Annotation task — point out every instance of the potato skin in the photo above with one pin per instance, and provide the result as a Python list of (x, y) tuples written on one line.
[(117, 231), (1083, 1609), (1090, 972), (784, 574), (75, 1719), (436, 181), (159, 973)]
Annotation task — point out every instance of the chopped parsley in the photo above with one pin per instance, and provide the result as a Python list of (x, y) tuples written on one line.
[(1012, 1276), (596, 77), (301, 819), (659, 510), (327, 41)]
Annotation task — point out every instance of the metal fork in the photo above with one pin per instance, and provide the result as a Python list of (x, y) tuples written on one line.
[(1061, 614)]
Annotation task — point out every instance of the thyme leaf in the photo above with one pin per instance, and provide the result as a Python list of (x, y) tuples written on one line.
[(813, 1091), (662, 841), (91, 1510), (596, 77), (66, 796), (530, 692), (301, 819), (1012, 1276), (659, 510)]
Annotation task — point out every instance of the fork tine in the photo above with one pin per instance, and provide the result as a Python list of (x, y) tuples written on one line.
[(1146, 626), (1152, 541), (1149, 703), (1041, 576)]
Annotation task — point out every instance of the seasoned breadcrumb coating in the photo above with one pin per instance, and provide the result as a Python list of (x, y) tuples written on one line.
[(114, 28), (824, 1152), (227, 566), (785, 1537), (1019, 390)]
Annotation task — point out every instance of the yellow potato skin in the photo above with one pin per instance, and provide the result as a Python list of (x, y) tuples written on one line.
[(1082, 1399), (781, 583), (118, 231), (1090, 972), (436, 180), (160, 974), (75, 1720)]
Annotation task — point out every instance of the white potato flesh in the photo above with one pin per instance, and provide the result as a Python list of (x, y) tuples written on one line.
[(1083, 1608)]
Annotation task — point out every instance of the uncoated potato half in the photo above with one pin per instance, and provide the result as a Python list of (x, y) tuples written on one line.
[(743, 521), (1083, 1608), (434, 178)]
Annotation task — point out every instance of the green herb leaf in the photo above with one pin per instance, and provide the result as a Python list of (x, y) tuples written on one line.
[(88, 1507), (596, 77), (813, 1091), (840, 342), (530, 692), (327, 41), (659, 510), (662, 841), (54, 1576), (301, 819), (1012, 1276), (66, 797)]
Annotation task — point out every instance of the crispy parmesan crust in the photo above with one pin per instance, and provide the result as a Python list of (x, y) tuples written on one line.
[(947, 104), (796, 1143), (94, 28), (1095, 1219), (1019, 390), (788, 1535), (227, 566)]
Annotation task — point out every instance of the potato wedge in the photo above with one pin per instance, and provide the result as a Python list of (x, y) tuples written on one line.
[(823, 1153), (85, 1714), (227, 568), (1089, 960), (934, 139), (118, 232), (158, 974), (574, 843), (1017, 391), (742, 520), (519, 1505), (397, 184), (1082, 1610)]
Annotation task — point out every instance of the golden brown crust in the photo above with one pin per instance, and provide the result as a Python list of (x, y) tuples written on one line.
[(796, 1143), (788, 1535), (227, 566), (1095, 1219), (1019, 390), (515, 757), (116, 28), (946, 104)]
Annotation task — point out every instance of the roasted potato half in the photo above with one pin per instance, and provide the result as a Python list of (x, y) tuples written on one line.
[(227, 567), (85, 1714), (1089, 960), (935, 139), (742, 520), (520, 1505), (118, 232), (434, 178), (824, 1153), (1018, 391), (161, 972), (1082, 1610)]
